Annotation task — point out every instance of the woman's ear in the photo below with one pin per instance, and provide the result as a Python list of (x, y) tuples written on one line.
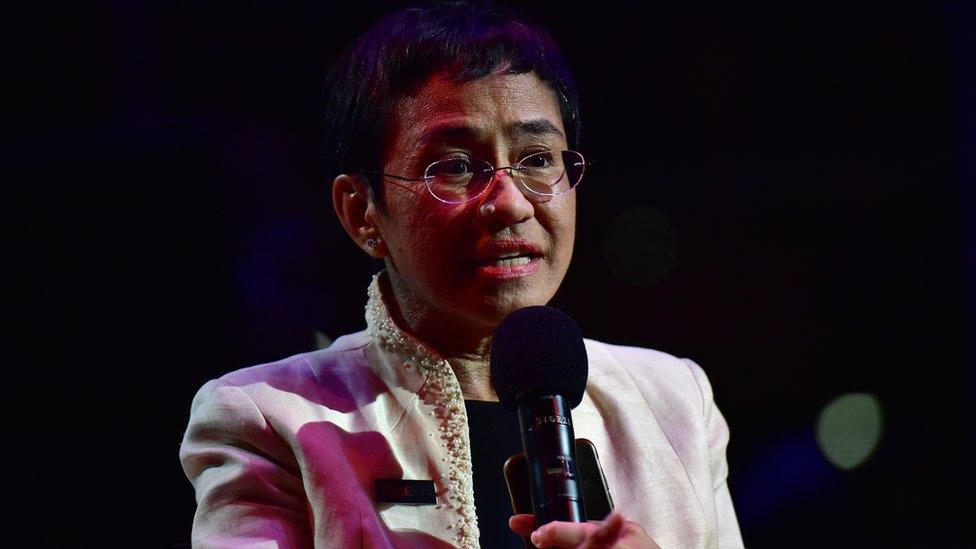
[(357, 214)]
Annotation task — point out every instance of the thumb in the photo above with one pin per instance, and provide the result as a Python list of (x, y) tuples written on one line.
[(607, 534), (561, 534)]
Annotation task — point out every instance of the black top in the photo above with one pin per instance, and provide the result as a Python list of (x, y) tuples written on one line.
[(495, 436)]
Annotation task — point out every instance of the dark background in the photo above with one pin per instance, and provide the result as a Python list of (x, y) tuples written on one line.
[(803, 179)]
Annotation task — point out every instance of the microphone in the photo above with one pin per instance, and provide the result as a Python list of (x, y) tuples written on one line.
[(539, 370)]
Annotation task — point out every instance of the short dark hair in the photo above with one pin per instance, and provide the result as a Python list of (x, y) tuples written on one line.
[(465, 40)]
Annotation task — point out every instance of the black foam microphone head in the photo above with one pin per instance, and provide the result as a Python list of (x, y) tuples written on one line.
[(538, 351)]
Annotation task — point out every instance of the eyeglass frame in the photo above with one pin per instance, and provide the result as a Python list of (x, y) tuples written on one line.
[(426, 178)]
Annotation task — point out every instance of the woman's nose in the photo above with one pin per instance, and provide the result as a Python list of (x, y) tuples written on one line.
[(504, 204)]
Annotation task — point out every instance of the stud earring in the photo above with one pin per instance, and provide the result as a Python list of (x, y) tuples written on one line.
[(487, 209), (371, 242)]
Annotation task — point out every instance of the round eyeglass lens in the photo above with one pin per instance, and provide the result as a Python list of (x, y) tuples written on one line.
[(551, 173), (457, 180)]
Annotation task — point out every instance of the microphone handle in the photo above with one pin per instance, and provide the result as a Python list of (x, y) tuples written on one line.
[(550, 450)]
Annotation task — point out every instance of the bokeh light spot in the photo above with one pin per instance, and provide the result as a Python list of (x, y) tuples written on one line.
[(640, 246), (849, 429)]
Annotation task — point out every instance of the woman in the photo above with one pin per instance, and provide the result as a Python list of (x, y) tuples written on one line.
[(454, 129)]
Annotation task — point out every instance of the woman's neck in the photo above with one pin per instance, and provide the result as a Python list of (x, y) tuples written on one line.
[(466, 348)]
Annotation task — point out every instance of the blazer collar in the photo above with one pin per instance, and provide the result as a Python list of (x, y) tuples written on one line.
[(436, 404)]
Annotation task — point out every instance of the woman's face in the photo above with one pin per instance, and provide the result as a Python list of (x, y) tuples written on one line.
[(443, 259)]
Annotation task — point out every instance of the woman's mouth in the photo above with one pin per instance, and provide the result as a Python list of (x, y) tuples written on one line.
[(514, 258), (503, 268), (510, 260)]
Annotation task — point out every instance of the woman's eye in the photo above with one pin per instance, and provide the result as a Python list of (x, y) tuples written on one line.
[(538, 160), (459, 167), (452, 167)]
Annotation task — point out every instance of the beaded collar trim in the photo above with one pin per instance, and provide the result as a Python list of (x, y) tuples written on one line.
[(442, 393)]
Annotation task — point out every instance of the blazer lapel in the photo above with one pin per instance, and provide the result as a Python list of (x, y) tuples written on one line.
[(639, 455)]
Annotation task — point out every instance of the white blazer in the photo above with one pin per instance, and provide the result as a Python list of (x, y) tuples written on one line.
[(285, 454)]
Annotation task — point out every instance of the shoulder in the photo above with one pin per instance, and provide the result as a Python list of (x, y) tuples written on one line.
[(606, 358), (342, 354), (306, 375), (650, 371)]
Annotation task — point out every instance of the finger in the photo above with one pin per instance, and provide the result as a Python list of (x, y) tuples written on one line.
[(522, 524), (562, 534), (607, 534)]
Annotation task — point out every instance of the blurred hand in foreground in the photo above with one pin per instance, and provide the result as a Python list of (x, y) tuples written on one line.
[(614, 532)]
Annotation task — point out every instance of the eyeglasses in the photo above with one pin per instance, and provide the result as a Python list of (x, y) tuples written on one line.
[(460, 179)]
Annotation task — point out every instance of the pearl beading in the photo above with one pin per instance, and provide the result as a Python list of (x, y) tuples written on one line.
[(442, 394)]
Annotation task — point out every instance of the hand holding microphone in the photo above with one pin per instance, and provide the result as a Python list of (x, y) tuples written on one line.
[(614, 532), (539, 370)]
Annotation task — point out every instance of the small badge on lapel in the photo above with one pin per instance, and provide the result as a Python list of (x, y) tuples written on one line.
[(397, 490)]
